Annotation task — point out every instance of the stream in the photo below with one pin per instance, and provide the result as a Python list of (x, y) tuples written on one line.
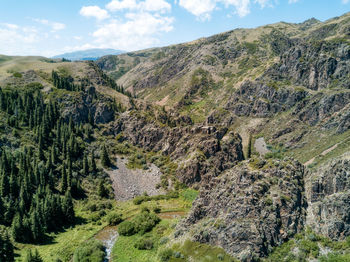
[(108, 236)]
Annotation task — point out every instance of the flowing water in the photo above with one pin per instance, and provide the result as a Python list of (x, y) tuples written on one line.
[(108, 236)]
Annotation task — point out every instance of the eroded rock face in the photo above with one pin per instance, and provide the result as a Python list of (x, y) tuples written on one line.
[(263, 100), (328, 194), (315, 65), (249, 210), (81, 106), (200, 151)]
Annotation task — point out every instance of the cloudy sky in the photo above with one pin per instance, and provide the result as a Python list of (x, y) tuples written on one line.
[(42, 27)]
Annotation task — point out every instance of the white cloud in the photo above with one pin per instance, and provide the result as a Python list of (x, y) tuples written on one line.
[(14, 39), (58, 26), (10, 26), (131, 24), (143, 6), (139, 30), (55, 26), (202, 9), (116, 5), (94, 11), (345, 1), (292, 1), (199, 8)]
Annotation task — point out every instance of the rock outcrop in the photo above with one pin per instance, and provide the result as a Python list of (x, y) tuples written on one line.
[(83, 106), (200, 151), (328, 194), (263, 100), (250, 208)]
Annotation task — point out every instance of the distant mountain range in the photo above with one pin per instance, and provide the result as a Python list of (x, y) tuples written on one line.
[(89, 54)]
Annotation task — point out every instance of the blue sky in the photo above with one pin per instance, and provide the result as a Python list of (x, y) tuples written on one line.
[(42, 27)]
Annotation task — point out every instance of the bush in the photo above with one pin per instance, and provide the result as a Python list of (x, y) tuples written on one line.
[(114, 219), (144, 243), (142, 223), (144, 198), (145, 222), (126, 228), (156, 209), (165, 255), (90, 251)]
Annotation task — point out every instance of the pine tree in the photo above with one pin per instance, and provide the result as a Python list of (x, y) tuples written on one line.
[(101, 189), (93, 167), (68, 209), (30, 257), (36, 227), (105, 161), (5, 185), (249, 151), (6, 249), (85, 166), (2, 211), (64, 179), (16, 228)]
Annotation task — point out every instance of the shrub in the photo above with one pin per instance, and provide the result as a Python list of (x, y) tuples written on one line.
[(177, 254), (142, 223), (126, 228), (145, 222), (163, 240), (144, 243), (17, 75), (156, 209), (165, 255), (90, 251), (114, 219)]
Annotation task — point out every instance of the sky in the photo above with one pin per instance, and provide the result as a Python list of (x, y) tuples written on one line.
[(51, 27)]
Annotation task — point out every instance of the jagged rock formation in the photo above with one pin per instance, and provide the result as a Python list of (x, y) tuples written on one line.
[(200, 151), (250, 208), (80, 108), (328, 194)]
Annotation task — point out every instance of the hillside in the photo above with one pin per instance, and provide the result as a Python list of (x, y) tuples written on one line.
[(258, 77), (240, 142)]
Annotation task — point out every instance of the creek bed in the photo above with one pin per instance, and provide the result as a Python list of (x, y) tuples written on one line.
[(108, 236)]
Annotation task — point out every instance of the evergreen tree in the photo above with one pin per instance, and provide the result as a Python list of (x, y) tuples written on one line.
[(6, 249), (68, 209), (249, 151), (64, 179), (36, 227), (30, 257), (2, 211), (93, 163), (105, 161), (85, 166), (101, 189)]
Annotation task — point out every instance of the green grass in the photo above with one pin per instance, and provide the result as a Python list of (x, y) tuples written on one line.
[(63, 244), (189, 195), (194, 251)]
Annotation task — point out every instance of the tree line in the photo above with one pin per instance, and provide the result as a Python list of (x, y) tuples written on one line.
[(39, 180)]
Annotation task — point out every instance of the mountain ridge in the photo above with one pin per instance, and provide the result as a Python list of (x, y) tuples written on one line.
[(88, 54)]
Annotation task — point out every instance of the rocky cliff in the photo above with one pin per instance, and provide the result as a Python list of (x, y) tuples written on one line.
[(249, 209), (201, 151), (328, 194)]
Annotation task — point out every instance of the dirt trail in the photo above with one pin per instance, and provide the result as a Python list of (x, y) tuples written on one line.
[(128, 183), (309, 162)]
